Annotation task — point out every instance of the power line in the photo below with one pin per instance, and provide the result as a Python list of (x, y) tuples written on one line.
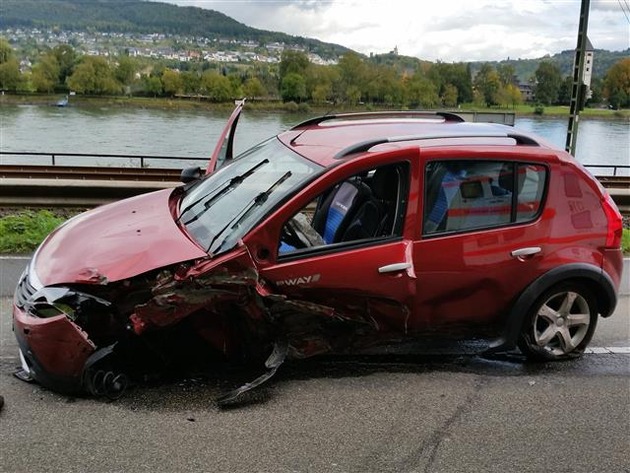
[(625, 2)]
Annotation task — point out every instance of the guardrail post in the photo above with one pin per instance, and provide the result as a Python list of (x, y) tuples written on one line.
[(53, 159)]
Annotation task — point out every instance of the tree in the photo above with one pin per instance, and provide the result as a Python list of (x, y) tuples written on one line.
[(152, 85), (10, 76), (293, 62), (172, 82), (321, 93), (216, 86), (422, 92), (66, 58), (321, 82), (126, 71), (565, 90), (456, 75), (506, 74), (293, 87), (253, 88), (383, 85), (548, 82), (45, 76), (510, 95), (488, 84), (94, 75), (597, 89), (6, 51), (449, 95), (617, 84), (236, 85), (191, 81), (352, 73)]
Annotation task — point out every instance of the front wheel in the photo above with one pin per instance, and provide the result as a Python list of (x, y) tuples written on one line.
[(560, 324)]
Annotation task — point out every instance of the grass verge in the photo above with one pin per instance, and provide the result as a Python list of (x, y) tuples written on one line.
[(23, 231)]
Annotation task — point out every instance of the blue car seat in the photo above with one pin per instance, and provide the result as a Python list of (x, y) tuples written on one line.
[(336, 210)]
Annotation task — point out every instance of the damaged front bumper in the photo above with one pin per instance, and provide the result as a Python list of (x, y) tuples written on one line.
[(53, 351), (50, 327)]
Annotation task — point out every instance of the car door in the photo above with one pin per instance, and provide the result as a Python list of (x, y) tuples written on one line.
[(224, 148), (368, 282), (471, 268)]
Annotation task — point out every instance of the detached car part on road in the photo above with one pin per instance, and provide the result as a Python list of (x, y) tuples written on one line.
[(346, 232)]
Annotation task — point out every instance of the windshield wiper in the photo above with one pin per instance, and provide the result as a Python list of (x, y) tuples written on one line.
[(223, 189), (257, 201)]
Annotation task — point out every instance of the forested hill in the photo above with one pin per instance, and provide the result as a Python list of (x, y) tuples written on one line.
[(135, 16), (525, 68)]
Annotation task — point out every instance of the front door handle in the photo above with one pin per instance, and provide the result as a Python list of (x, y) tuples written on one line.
[(529, 251), (392, 268)]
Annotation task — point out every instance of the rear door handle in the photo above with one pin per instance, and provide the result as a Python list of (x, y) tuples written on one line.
[(529, 251), (392, 268)]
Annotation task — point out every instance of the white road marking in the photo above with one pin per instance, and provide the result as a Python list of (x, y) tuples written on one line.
[(588, 351), (608, 350)]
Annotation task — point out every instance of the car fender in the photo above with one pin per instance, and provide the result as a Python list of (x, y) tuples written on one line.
[(601, 283)]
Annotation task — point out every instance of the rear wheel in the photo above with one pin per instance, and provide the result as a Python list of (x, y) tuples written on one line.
[(560, 324)]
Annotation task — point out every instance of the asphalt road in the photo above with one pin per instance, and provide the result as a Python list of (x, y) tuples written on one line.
[(416, 413)]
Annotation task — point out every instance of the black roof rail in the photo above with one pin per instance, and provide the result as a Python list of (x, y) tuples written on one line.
[(447, 116), (366, 145)]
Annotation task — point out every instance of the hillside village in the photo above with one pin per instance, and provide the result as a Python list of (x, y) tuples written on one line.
[(153, 46)]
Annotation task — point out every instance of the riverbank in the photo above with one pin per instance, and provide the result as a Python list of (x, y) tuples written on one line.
[(164, 103)]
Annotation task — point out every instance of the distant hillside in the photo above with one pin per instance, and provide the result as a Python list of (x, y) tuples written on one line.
[(525, 68), (138, 16), (135, 16)]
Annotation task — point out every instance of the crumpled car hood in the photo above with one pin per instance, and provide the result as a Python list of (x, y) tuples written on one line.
[(115, 242)]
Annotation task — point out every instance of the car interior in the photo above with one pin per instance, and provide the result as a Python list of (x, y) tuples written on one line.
[(362, 207)]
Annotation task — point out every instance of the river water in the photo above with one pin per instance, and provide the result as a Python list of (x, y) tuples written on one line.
[(193, 133)]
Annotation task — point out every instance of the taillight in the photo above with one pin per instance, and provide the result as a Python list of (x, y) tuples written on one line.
[(615, 223)]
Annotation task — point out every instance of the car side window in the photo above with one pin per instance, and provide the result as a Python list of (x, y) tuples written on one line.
[(531, 185), (364, 207), (467, 195)]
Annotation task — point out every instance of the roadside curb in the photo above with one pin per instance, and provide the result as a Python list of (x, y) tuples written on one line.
[(11, 268)]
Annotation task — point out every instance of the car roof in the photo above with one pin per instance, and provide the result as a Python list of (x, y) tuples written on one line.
[(327, 139)]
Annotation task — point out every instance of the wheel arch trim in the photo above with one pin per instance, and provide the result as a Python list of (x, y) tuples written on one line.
[(601, 284)]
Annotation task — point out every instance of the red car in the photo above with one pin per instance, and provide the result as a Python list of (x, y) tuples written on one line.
[(346, 232)]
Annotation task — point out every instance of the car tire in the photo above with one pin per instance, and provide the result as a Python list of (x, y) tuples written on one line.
[(560, 324)]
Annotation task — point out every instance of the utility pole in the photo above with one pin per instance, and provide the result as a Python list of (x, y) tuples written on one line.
[(578, 90)]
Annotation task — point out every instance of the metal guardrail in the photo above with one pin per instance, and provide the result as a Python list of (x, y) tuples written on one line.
[(614, 167), (141, 160), (37, 171), (86, 185)]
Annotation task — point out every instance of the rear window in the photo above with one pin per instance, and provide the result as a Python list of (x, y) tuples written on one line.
[(469, 195)]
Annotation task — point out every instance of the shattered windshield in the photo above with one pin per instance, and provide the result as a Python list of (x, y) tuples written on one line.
[(222, 208)]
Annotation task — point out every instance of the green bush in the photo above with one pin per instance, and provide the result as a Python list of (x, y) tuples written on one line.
[(22, 232), (625, 241), (291, 107), (303, 107), (539, 110)]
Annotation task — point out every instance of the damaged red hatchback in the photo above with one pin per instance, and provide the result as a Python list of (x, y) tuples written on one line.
[(344, 233)]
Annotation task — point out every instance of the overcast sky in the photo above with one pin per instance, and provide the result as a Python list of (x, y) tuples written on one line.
[(446, 30)]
